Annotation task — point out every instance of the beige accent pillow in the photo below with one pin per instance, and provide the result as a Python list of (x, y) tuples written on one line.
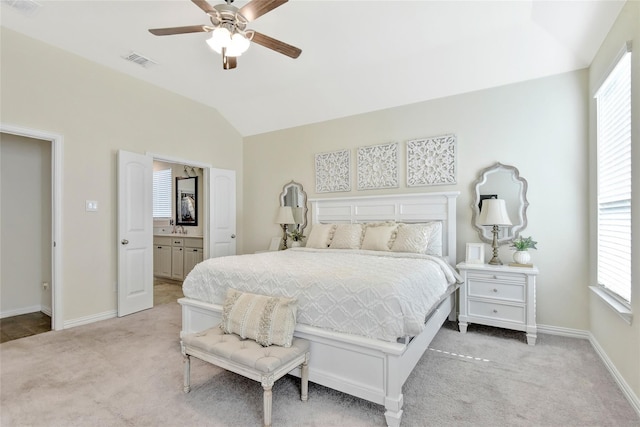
[(266, 320), (320, 236), (347, 236), (411, 238), (378, 237), (419, 238)]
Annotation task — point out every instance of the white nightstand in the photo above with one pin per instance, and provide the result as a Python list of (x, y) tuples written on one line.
[(499, 295)]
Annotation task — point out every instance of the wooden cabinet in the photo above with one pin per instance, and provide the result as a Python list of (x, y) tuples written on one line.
[(499, 296), (174, 257)]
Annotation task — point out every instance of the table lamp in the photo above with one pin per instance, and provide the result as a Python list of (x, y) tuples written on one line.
[(494, 213), (284, 218)]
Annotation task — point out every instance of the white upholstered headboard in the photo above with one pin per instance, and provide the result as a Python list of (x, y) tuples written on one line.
[(410, 208)]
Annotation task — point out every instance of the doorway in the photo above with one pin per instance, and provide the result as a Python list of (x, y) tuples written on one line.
[(30, 267)]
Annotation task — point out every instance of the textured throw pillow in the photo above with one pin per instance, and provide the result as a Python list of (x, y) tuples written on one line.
[(411, 238), (378, 237), (347, 236), (266, 320), (320, 236)]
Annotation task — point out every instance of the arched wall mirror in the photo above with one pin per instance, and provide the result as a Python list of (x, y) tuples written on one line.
[(501, 182), (293, 195)]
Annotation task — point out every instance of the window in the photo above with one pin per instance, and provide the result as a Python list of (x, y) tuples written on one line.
[(613, 104), (162, 194)]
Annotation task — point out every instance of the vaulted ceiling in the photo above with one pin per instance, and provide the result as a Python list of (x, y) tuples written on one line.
[(357, 56)]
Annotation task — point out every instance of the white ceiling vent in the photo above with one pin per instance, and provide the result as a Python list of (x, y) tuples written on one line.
[(140, 59), (26, 7)]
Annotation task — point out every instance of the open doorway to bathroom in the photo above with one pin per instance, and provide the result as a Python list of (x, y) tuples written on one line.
[(178, 226)]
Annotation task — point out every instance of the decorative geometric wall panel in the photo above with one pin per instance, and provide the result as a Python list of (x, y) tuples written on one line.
[(378, 166), (431, 161), (333, 171)]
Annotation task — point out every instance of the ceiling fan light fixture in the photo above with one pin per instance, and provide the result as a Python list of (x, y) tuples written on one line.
[(220, 37), (235, 44)]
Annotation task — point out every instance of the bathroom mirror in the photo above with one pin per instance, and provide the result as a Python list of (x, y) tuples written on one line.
[(293, 195), (187, 201), (501, 182)]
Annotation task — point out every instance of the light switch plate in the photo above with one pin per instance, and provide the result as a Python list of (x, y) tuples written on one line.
[(91, 205)]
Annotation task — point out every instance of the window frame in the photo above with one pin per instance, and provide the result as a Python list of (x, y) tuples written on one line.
[(168, 205), (613, 298)]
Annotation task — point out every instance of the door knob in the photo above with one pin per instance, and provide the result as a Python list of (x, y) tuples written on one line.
[(124, 241), (233, 236)]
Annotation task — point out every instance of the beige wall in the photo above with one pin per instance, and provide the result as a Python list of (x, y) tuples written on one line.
[(538, 126), (25, 261), (620, 341), (99, 111)]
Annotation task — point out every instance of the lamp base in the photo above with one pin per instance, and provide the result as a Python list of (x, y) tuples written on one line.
[(495, 261)]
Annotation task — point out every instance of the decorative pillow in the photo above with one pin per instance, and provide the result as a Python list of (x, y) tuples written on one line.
[(266, 320), (378, 237), (419, 238), (320, 236), (347, 236)]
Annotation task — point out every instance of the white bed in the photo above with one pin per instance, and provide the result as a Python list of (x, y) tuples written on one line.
[(369, 368)]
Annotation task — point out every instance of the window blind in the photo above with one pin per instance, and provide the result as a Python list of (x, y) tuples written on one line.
[(162, 193), (613, 104)]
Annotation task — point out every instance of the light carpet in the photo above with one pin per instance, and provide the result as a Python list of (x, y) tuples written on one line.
[(128, 372)]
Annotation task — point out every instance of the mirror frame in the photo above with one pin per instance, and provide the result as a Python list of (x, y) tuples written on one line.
[(485, 232), (180, 220), (303, 201)]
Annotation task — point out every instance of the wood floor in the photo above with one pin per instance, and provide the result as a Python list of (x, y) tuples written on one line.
[(24, 325)]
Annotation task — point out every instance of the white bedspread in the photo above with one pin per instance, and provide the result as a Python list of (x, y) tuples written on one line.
[(383, 295)]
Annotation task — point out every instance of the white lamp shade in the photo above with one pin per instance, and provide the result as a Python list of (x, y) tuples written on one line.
[(285, 215), (494, 212)]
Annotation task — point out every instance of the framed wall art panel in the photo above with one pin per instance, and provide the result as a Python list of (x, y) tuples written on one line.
[(431, 161), (333, 171), (378, 166)]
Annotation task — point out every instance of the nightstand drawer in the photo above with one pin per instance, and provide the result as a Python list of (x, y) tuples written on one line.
[(497, 311), (497, 290), (497, 277)]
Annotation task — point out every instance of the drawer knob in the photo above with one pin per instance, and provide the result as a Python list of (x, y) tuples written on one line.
[(495, 290), (495, 277), (495, 311)]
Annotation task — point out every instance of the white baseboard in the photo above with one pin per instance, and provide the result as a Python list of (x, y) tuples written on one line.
[(46, 310), (89, 319), (19, 311), (577, 333), (565, 332), (624, 387)]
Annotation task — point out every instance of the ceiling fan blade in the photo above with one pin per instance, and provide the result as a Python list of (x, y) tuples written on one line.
[(202, 4), (256, 8), (277, 45), (179, 30), (229, 62)]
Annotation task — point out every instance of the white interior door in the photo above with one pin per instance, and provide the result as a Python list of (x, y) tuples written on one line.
[(135, 232), (222, 212)]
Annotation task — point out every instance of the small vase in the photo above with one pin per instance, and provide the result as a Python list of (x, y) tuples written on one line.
[(295, 244), (522, 257)]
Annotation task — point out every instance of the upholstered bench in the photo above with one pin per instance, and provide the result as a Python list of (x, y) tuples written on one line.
[(247, 358)]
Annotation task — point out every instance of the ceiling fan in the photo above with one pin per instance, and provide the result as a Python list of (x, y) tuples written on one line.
[(230, 36)]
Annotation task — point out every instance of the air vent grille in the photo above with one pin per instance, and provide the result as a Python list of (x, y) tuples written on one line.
[(26, 7), (141, 60)]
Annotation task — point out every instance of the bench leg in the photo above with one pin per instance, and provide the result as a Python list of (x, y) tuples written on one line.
[(304, 377), (267, 405), (187, 373)]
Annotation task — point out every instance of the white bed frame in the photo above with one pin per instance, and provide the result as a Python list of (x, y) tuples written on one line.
[(366, 368)]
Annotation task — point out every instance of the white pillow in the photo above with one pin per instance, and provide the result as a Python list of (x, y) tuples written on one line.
[(320, 236), (347, 236), (378, 237), (434, 247)]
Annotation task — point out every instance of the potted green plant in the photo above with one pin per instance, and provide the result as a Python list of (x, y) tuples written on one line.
[(296, 238), (522, 246)]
